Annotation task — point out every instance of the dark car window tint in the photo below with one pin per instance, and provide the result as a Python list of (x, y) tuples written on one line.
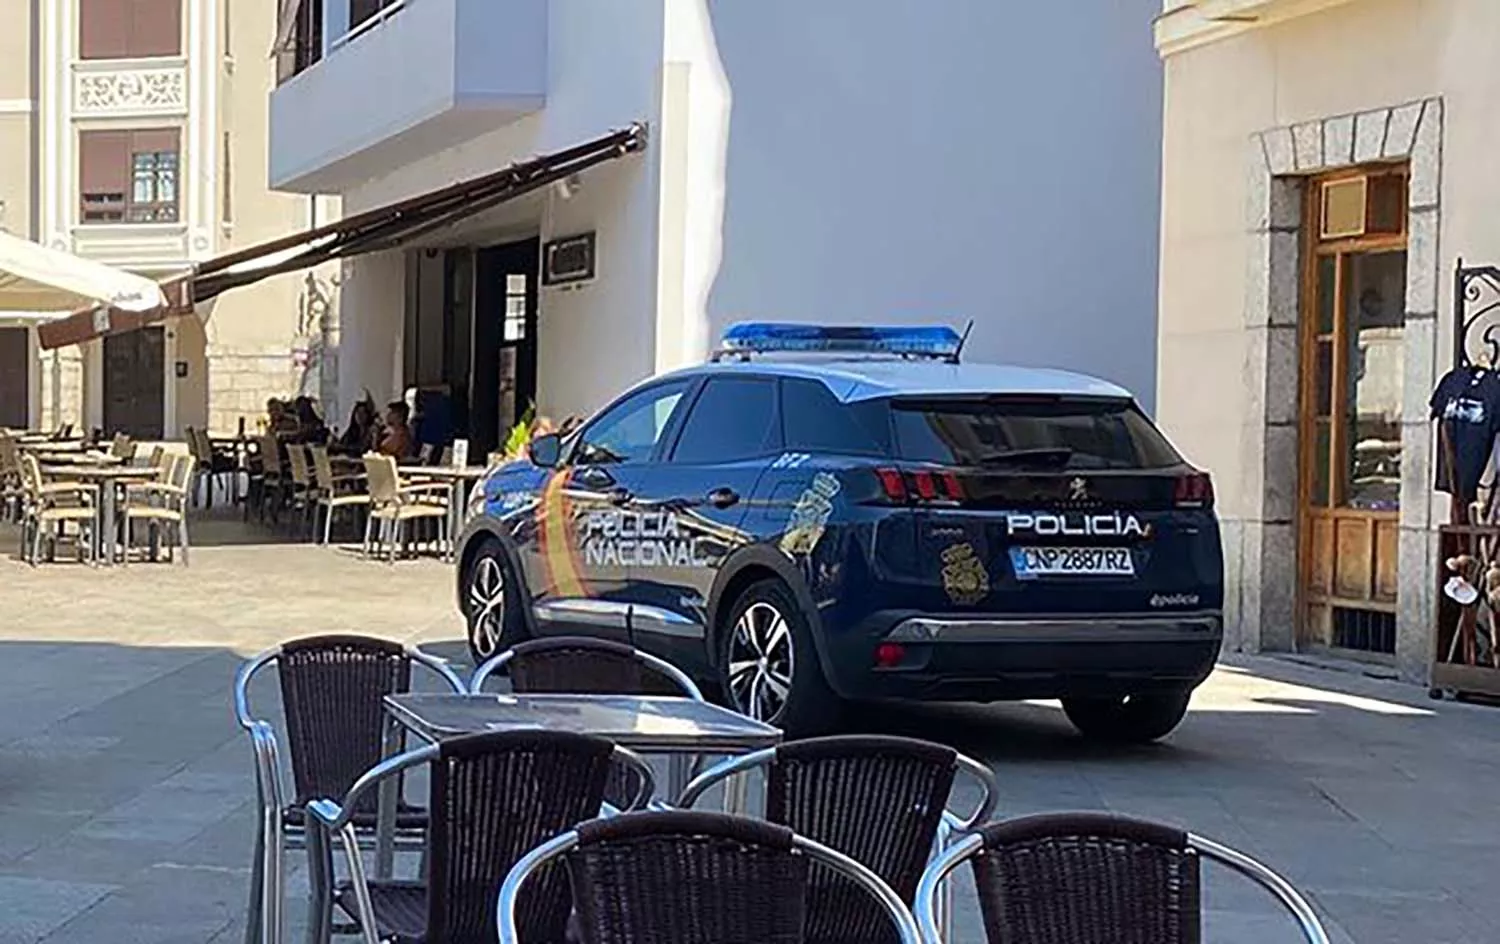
[(734, 418), (815, 421), (629, 431), (1054, 432)]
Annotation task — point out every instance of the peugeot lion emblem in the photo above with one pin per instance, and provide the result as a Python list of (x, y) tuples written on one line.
[(1078, 490)]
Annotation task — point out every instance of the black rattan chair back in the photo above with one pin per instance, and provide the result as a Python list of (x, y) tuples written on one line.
[(584, 666), (1082, 878), (332, 692), (494, 798), (878, 800), (687, 878)]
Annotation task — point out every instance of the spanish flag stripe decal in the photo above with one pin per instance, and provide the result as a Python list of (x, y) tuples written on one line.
[(556, 534)]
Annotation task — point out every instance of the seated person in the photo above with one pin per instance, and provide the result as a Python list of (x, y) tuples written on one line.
[(363, 434), (310, 427), (397, 440)]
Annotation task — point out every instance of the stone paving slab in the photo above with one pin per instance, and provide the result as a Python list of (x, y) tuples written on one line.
[(125, 786)]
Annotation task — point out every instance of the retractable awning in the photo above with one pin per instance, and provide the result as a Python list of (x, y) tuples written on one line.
[(34, 278), (101, 320), (383, 228)]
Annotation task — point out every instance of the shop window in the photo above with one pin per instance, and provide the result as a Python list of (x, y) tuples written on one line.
[(129, 29), (129, 176)]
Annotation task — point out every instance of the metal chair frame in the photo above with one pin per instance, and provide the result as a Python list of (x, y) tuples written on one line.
[(336, 817), (972, 845), (534, 861), (274, 836), (950, 826), (683, 767)]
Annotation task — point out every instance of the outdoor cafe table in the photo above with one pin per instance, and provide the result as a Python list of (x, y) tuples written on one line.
[(650, 724), (108, 480), (459, 478)]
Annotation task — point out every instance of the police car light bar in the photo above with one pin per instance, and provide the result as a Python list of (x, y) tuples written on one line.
[(759, 337)]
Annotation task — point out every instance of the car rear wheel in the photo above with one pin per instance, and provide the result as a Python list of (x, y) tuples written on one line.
[(490, 608), (1135, 719), (768, 668)]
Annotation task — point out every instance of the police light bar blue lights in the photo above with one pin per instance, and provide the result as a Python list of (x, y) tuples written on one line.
[(759, 337)]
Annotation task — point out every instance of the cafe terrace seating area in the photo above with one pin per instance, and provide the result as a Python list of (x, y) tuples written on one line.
[(599, 797), (106, 501)]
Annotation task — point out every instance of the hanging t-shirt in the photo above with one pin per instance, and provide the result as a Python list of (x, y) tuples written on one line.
[(1467, 404)]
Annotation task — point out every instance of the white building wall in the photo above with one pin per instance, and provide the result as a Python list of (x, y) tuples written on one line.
[(897, 161), (845, 161)]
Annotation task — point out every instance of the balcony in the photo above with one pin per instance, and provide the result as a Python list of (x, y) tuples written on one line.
[(1184, 24), (413, 78)]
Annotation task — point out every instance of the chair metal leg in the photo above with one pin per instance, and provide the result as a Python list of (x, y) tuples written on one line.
[(182, 537), (254, 920)]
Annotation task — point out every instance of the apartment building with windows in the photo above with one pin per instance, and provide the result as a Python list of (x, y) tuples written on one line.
[(134, 132), (689, 163)]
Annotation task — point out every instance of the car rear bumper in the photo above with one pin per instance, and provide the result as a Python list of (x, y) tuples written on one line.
[(1000, 658)]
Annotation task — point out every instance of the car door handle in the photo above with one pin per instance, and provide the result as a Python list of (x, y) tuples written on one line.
[(723, 497), (620, 496)]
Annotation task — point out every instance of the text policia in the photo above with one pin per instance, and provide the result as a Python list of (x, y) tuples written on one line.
[(613, 538)]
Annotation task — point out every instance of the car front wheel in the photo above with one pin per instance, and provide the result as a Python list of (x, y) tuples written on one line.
[(1135, 719), (490, 608), (767, 666)]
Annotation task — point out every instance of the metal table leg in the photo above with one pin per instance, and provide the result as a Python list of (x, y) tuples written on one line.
[(107, 512), (385, 823)]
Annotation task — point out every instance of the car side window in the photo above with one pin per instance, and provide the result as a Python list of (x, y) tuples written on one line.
[(630, 430), (733, 418), (815, 421)]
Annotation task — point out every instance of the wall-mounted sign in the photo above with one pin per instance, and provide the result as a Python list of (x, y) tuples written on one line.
[(568, 260), (181, 369)]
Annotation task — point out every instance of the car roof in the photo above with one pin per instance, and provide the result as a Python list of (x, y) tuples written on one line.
[(854, 379)]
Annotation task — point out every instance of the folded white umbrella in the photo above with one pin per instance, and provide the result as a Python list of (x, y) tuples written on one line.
[(34, 278)]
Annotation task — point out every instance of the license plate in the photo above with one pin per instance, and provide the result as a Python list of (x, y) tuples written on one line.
[(1033, 562)]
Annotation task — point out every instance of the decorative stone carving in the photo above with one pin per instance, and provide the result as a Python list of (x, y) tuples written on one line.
[(130, 92)]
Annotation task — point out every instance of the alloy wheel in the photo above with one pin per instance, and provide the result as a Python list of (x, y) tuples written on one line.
[(761, 660), (486, 606)]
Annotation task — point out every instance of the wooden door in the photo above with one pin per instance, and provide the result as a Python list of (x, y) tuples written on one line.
[(135, 383), (15, 378), (1353, 353)]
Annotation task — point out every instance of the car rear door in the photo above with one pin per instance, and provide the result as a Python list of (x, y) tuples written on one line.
[(699, 495), (1054, 505)]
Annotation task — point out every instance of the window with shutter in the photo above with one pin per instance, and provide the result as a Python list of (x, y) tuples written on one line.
[(129, 29), (129, 176)]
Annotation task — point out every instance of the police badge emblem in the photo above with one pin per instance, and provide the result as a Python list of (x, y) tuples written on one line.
[(964, 577)]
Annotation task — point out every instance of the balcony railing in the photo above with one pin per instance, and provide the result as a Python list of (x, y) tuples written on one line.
[(306, 31)]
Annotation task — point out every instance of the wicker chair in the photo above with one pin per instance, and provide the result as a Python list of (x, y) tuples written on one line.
[(685, 877), (880, 800), (396, 505), (494, 797), (581, 665), (1091, 878), (49, 507), (160, 504), (332, 491), (332, 692)]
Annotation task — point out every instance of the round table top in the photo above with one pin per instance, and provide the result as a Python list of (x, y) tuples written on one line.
[(103, 471), (443, 471)]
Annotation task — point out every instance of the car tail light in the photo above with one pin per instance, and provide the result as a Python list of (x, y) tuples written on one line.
[(1194, 490), (904, 486), (888, 655)]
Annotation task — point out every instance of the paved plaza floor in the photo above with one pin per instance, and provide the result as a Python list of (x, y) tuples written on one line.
[(126, 791)]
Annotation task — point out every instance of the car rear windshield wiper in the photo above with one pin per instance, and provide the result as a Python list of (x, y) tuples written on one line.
[(1042, 456)]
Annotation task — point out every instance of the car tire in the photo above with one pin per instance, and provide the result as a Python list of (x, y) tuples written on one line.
[(757, 660), (494, 620), (1137, 719)]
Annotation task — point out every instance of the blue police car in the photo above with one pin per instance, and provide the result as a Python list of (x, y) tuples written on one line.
[(823, 515)]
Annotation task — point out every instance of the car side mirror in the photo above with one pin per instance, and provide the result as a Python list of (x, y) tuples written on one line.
[(546, 450)]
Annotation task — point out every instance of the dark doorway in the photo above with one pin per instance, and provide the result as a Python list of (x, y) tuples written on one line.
[(134, 387), (504, 346), (15, 378)]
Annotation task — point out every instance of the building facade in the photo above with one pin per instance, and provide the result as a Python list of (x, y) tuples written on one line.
[(134, 132), (841, 161), (1326, 164)]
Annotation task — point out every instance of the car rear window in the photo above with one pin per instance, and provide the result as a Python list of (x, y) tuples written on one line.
[(1051, 432)]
